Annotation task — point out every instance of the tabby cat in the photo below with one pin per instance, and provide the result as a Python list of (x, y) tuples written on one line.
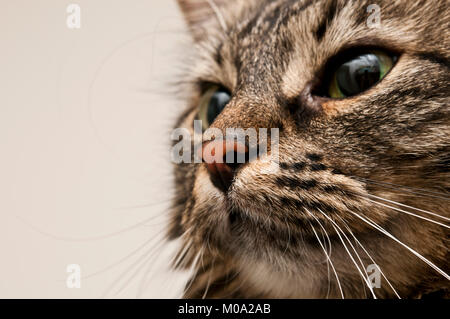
[(362, 108)]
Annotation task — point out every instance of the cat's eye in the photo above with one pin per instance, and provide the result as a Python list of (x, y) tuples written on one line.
[(212, 104), (359, 73)]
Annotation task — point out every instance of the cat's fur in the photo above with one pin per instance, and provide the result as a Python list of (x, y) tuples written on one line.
[(257, 241)]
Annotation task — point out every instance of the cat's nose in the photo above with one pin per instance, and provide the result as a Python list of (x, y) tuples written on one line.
[(222, 159)]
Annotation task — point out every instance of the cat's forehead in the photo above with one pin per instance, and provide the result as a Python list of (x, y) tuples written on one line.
[(265, 40), (255, 18)]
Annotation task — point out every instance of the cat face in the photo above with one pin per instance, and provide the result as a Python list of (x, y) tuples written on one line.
[(364, 141)]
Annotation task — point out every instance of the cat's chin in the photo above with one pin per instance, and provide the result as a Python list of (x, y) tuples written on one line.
[(244, 228)]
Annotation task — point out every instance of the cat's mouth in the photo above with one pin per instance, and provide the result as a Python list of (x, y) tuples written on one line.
[(237, 220), (287, 208), (257, 223), (247, 212), (256, 236)]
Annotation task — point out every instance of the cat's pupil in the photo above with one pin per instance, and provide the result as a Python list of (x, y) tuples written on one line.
[(217, 103), (358, 74)]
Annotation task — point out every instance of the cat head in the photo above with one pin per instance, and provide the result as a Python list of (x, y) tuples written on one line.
[(360, 102)]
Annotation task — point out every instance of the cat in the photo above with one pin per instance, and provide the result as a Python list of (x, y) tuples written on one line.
[(362, 108)]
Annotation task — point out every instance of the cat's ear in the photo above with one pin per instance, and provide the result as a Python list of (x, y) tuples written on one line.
[(202, 14)]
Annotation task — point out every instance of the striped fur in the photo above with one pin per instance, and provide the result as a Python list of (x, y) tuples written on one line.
[(257, 241)]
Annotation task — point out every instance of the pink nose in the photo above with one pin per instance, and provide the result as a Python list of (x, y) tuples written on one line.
[(222, 159)]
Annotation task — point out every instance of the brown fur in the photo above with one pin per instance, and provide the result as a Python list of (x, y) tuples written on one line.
[(257, 241)]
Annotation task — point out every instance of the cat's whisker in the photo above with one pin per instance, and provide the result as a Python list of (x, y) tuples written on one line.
[(146, 205), (194, 266), (408, 213), (325, 236), (339, 231), (324, 231), (146, 278), (410, 207), (218, 15), (90, 238), (138, 263), (328, 273), (365, 292), (186, 242), (382, 230), (406, 189), (360, 262), (326, 254), (208, 284), (367, 253), (179, 258), (149, 258), (120, 261), (201, 256)]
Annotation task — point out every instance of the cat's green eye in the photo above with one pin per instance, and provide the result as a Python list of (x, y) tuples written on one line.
[(212, 104), (359, 74)]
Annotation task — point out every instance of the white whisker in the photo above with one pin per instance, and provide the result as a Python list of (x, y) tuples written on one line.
[(147, 260), (338, 231), (328, 258), (218, 15), (407, 206), (328, 266), (120, 261), (208, 283), (370, 257), (404, 189), (382, 230), (142, 260), (329, 252), (409, 213), (194, 266)]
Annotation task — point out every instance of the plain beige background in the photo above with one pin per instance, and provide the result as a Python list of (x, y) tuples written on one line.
[(85, 119)]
